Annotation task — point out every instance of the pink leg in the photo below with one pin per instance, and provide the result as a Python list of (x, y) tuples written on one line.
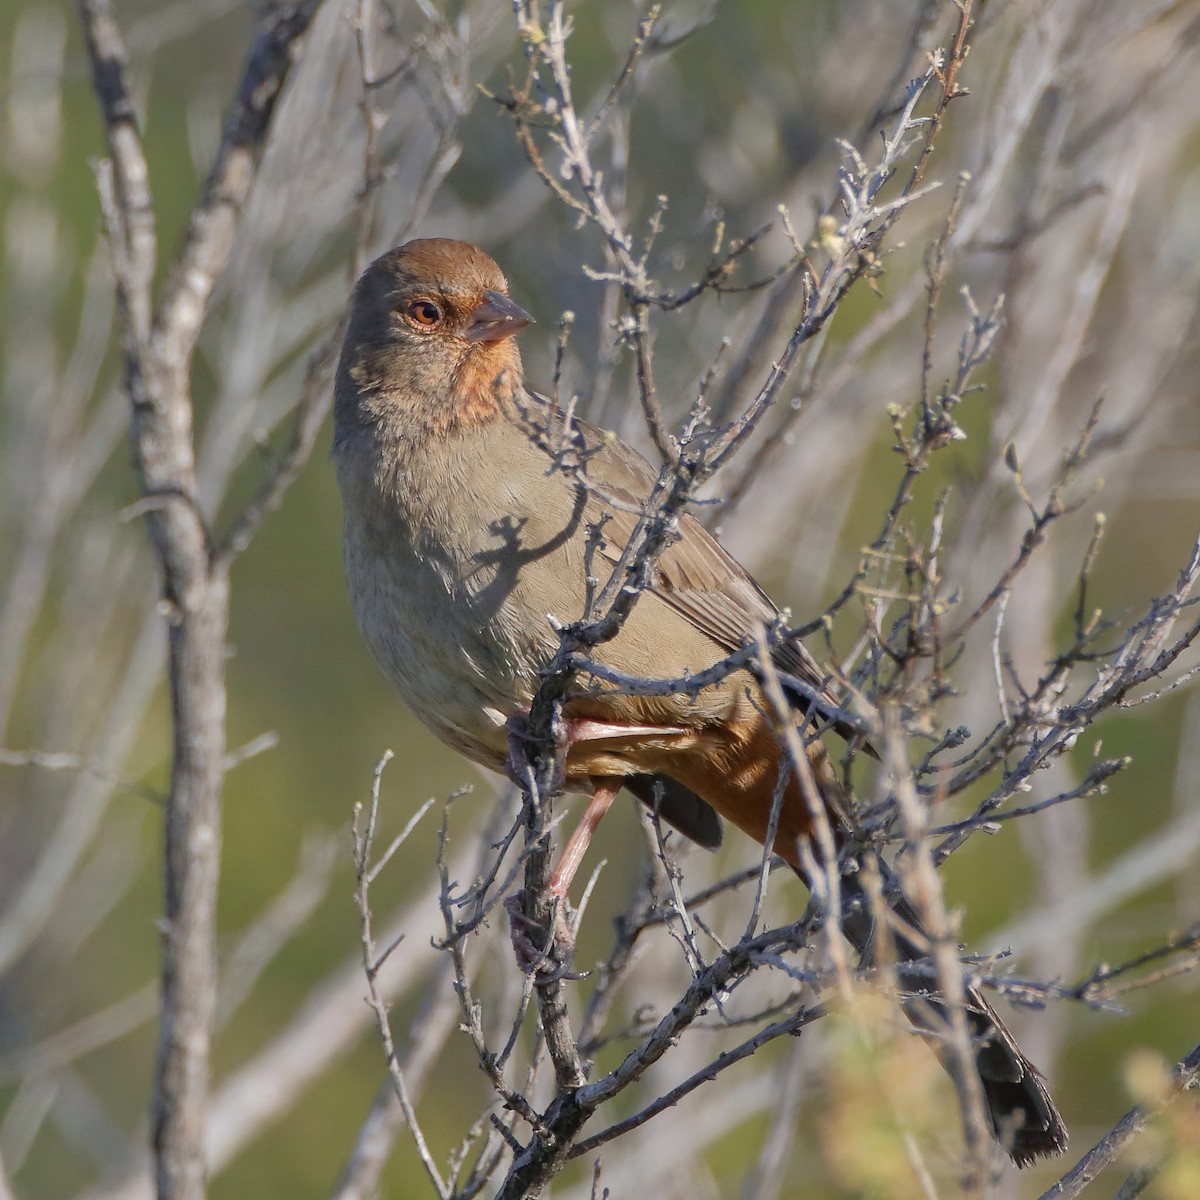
[(603, 794), (554, 956), (583, 729), (558, 953)]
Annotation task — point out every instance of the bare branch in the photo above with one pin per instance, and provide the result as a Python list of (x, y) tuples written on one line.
[(1102, 1155)]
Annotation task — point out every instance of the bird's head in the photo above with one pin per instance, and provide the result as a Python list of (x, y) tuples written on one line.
[(429, 342)]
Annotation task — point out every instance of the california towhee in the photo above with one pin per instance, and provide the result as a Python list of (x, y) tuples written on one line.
[(461, 539)]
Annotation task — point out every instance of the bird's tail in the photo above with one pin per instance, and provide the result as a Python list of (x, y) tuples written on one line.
[(1023, 1116)]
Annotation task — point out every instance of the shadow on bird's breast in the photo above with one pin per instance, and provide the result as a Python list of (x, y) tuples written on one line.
[(530, 557)]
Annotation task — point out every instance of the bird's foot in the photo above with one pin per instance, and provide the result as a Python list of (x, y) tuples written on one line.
[(516, 762), (546, 957)]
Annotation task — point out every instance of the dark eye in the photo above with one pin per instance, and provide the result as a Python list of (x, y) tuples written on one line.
[(424, 313)]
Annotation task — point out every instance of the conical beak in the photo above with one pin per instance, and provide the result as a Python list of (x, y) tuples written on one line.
[(496, 318)]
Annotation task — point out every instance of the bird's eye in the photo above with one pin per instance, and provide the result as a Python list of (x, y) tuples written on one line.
[(424, 313)]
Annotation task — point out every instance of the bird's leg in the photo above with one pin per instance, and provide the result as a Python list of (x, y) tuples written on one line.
[(517, 759), (604, 790), (603, 794), (559, 947), (556, 951)]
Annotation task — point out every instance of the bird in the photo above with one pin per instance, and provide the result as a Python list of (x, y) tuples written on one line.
[(467, 546)]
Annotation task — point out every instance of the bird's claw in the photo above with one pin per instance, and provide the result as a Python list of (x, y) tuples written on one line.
[(516, 761), (550, 962)]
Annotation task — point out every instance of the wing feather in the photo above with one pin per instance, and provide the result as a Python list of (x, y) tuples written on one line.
[(695, 576)]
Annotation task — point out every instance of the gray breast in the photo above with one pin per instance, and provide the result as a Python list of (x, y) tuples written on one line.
[(453, 578)]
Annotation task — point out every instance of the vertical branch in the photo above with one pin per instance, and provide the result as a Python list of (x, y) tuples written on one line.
[(198, 623), (374, 959), (921, 877), (159, 349), (130, 216)]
